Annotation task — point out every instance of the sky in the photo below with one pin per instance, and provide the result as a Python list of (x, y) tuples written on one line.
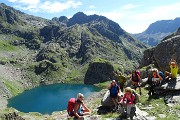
[(134, 16)]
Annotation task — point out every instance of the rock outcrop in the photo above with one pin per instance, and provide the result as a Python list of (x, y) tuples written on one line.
[(171, 91), (98, 72), (163, 52), (107, 101)]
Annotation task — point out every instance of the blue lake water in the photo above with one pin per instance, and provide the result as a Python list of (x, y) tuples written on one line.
[(50, 98)]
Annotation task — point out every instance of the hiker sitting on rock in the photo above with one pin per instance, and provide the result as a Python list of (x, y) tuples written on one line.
[(114, 92), (79, 108), (135, 78), (121, 80), (127, 101), (174, 70), (157, 77)]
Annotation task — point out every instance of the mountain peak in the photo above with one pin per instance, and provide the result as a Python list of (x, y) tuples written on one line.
[(79, 14)]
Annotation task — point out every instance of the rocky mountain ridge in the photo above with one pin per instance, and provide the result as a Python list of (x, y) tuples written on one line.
[(64, 45), (157, 31)]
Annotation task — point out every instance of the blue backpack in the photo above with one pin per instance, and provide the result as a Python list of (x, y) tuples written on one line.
[(161, 74)]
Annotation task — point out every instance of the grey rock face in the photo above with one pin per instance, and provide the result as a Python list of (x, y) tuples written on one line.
[(163, 52), (98, 72), (107, 101)]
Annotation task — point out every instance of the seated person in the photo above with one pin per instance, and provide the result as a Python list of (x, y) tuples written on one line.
[(174, 70), (127, 101), (157, 77), (135, 78), (79, 108), (114, 92)]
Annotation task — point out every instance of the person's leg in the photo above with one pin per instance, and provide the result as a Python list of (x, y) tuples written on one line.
[(129, 110), (167, 75), (121, 86), (115, 103), (121, 108), (139, 89)]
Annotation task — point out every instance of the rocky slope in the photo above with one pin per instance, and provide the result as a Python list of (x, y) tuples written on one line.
[(62, 46), (157, 31)]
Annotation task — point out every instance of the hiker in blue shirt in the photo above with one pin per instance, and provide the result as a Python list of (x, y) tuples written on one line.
[(114, 92)]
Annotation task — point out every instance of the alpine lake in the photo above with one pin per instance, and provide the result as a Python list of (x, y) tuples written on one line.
[(49, 98)]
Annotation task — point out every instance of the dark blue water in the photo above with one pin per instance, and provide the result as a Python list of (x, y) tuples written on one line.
[(47, 99)]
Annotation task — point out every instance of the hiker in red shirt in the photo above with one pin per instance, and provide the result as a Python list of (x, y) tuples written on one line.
[(135, 78), (127, 101)]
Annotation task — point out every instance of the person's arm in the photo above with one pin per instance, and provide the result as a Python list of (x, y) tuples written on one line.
[(76, 107), (132, 99), (109, 87), (85, 108), (159, 76)]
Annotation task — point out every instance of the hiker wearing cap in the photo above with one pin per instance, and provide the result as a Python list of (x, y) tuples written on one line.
[(156, 79), (173, 68), (114, 92)]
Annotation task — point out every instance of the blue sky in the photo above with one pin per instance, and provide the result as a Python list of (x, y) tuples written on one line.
[(134, 16)]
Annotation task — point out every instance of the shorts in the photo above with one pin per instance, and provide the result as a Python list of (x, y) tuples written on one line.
[(72, 114), (113, 95)]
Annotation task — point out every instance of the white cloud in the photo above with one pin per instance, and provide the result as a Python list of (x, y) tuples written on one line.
[(91, 12), (135, 21), (48, 6), (92, 6), (129, 6), (26, 2)]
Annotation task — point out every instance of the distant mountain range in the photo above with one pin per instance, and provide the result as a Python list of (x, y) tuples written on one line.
[(64, 45), (157, 31)]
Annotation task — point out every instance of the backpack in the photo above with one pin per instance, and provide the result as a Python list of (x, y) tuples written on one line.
[(70, 106), (136, 99), (138, 72), (161, 74)]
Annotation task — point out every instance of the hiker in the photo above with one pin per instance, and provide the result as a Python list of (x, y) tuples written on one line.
[(174, 70), (135, 78), (157, 77), (79, 109), (114, 93), (121, 79), (127, 102)]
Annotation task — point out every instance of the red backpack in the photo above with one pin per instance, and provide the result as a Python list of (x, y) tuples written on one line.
[(138, 72), (70, 106)]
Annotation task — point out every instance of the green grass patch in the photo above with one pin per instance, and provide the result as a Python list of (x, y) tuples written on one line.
[(103, 84), (6, 46), (13, 87), (158, 106)]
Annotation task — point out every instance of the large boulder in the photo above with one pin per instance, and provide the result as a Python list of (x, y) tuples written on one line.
[(170, 85), (107, 101), (163, 52), (98, 72)]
